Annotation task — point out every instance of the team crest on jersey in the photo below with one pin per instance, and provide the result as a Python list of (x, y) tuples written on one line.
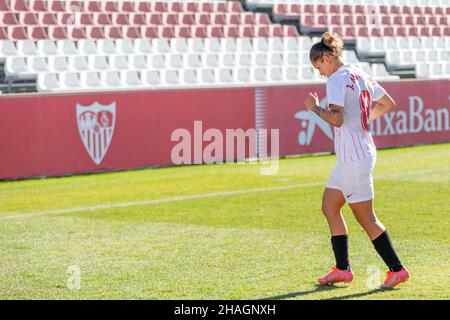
[(96, 126), (308, 122)]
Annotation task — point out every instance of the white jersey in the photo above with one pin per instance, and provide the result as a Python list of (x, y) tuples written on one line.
[(355, 90)]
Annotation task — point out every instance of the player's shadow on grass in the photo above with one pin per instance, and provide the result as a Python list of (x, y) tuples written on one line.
[(319, 288), (322, 288), (361, 294)]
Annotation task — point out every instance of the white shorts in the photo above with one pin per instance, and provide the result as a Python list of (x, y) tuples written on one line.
[(354, 179)]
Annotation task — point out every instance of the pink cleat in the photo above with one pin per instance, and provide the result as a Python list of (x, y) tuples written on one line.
[(395, 278), (336, 275)]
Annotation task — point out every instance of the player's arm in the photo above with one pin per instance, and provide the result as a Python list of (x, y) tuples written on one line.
[(334, 114), (384, 105)]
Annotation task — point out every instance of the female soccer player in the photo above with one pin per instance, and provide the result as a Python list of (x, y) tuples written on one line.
[(350, 93)]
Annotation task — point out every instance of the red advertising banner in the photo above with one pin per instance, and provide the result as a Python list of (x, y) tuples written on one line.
[(52, 135), (422, 116)]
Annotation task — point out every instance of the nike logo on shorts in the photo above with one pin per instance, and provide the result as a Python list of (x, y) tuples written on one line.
[(349, 195)]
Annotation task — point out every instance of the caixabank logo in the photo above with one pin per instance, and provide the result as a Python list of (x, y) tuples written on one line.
[(414, 119), (96, 125)]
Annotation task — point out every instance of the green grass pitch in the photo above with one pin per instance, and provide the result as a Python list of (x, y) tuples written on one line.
[(263, 240)]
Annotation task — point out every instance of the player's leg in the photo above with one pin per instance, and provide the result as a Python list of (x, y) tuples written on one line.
[(361, 203), (365, 215), (332, 202)]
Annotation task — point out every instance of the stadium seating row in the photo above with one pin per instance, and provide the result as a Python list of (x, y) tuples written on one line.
[(185, 77), (287, 11), (376, 46), (409, 58), (111, 45), (354, 32), (379, 20), (24, 67), (34, 64), (134, 79), (119, 6), (428, 70), (349, 21), (145, 46), (133, 32), (119, 18), (252, 4)]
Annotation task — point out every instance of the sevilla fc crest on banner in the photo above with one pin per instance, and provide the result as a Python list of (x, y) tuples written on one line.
[(96, 126)]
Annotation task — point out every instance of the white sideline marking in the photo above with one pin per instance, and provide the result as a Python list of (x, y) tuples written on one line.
[(18, 215)]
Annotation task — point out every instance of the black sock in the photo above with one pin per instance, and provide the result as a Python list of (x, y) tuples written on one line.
[(384, 247), (340, 249)]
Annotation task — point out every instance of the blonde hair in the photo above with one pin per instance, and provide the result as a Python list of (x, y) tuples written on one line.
[(330, 43)]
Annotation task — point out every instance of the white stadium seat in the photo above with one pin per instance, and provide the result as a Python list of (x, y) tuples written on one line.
[(212, 45), (195, 45), (193, 60), (210, 60), (70, 81), (16, 67), (292, 58), (67, 47), (90, 80), (291, 74), (245, 60), (111, 79), (58, 64), (37, 64), (176, 61), (87, 47), (228, 45), (119, 62), (47, 47), (258, 74), (138, 62), (47, 82), (227, 60), (277, 44), (150, 77), (189, 76), (125, 46), (224, 75), (106, 46), (78, 63), (98, 63), (275, 74), (380, 72), (207, 76), (241, 75), (179, 45), (27, 48), (157, 61), (131, 79), (170, 77), (290, 44), (7, 48), (143, 46)]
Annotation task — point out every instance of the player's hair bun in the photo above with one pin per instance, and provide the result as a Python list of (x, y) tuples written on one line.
[(334, 42), (330, 43)]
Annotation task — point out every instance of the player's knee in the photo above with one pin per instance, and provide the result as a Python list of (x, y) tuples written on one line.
[(328, 209)]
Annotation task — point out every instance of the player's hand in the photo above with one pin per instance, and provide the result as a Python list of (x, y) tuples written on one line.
[(311, 101)]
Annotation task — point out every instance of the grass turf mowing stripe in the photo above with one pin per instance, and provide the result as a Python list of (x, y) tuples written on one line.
[(18, 215)]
